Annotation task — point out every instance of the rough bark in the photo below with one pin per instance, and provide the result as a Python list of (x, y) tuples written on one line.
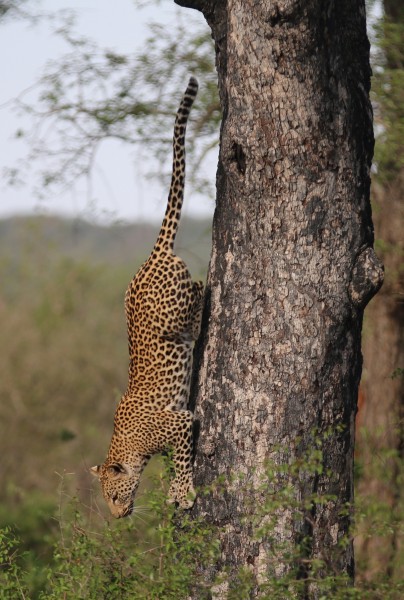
[(292, 266)]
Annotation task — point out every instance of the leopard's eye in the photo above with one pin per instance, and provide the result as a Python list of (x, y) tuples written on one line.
[(114, 498)]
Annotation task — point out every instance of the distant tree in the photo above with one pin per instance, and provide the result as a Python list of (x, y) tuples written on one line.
[(381, 417)]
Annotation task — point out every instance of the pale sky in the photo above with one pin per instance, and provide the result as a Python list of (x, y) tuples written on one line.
[(120, 191)]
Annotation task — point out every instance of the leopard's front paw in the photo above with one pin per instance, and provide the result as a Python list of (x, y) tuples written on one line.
[(184, 497), (187, 501)]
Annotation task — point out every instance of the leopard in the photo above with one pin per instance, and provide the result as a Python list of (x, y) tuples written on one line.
[(163, 308)]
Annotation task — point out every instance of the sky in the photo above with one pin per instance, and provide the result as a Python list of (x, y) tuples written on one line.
[(120, 191)]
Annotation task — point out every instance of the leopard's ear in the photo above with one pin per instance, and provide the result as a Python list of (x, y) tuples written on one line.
[(95, 470)]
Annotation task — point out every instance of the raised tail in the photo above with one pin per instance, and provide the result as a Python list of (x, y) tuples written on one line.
[(166, 238)]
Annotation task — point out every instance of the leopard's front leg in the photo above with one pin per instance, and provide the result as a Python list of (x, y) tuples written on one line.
[(173, 430), (181, 489)]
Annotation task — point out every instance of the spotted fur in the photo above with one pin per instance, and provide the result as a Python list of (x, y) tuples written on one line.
[(163, 311)]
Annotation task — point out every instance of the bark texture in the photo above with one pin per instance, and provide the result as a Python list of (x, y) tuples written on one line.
[(292, 265)]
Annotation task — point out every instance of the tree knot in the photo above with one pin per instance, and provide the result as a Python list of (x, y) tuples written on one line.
[(366, 278)]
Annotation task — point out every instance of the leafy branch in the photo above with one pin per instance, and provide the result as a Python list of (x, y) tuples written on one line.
[(93, 94)]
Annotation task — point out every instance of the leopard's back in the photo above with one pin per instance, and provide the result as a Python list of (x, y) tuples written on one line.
[(159, 314)]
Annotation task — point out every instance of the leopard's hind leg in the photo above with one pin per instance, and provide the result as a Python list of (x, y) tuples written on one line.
[(196, 308)]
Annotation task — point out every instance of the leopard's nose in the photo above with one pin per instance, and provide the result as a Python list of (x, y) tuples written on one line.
[(128, 511)]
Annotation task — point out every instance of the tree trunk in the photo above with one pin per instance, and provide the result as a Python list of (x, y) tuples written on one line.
[(292, 267)]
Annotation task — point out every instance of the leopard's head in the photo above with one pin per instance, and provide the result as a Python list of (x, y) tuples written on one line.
[(119, 483)]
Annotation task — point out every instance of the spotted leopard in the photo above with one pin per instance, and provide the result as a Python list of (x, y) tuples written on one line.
[(163, 311)]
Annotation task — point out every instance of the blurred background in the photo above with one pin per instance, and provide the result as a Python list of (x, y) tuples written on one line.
[(87, 103)]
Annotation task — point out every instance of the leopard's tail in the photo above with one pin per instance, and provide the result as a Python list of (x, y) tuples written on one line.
[(166, 238)]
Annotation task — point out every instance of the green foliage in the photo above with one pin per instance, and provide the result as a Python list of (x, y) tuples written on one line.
[(153, 555), (398, 372), (161, 554), (388, 91), (11, 573), (28, 517)]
